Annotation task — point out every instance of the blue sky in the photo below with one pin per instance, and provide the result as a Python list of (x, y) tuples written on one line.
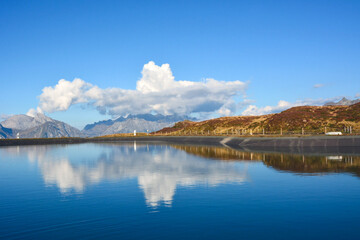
[(281, 49)]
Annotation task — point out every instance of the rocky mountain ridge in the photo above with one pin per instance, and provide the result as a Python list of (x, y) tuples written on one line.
[(42, 126), (140, 123), (343, 102), (5, 132), (23, 122), (38, 126)]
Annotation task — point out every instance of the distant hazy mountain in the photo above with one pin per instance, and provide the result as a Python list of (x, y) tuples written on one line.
[(5, 132), (140, 123), (344, 101), (52, 129), (39, 126), (23, 122)]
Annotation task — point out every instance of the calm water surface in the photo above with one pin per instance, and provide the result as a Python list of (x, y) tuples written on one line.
[(133, 191)]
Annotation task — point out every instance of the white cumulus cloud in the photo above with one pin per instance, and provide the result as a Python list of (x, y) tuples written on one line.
[(156, 92), (253, 110), (63, 95), (32, 112)]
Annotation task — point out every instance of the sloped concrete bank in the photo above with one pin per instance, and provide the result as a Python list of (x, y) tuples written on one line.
[(40, 141), (318, 144), (211, 141), (323, 144)]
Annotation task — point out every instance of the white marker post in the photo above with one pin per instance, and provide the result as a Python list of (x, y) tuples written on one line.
[(134, 132)]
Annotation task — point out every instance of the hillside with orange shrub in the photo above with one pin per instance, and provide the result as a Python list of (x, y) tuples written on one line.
[(312, 119)]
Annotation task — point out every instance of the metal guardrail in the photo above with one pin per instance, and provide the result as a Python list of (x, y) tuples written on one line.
[(263, 132)]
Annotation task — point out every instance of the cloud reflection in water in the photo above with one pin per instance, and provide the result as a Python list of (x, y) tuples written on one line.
[(158, 169)]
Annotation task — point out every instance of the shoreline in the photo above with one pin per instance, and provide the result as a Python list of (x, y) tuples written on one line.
[(316, 144)]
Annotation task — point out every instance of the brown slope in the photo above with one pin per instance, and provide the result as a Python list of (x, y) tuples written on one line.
[(312, 118), (308, 117)]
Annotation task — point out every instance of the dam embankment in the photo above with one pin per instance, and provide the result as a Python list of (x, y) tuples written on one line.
[(315, 144)]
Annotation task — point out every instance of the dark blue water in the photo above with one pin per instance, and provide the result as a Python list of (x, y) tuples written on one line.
[(111, 191)]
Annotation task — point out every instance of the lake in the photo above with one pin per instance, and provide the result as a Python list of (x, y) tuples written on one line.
[(144, 191)]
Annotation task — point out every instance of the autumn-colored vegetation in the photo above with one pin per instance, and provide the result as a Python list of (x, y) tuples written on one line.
[(310, 119), (284, 162), (123, 135)]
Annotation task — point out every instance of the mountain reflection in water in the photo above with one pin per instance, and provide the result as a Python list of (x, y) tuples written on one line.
[(160, 169), (304, 164)]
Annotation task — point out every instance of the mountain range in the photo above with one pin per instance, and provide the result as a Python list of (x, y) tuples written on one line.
[(333, 114), (42, 126), (140, 123), (38, 126), (343, 102)]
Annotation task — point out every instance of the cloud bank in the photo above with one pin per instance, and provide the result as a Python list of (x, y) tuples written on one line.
[(156, 92)]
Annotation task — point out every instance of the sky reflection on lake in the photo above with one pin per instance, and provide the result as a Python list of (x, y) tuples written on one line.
[(159, 169), (139, 191)]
